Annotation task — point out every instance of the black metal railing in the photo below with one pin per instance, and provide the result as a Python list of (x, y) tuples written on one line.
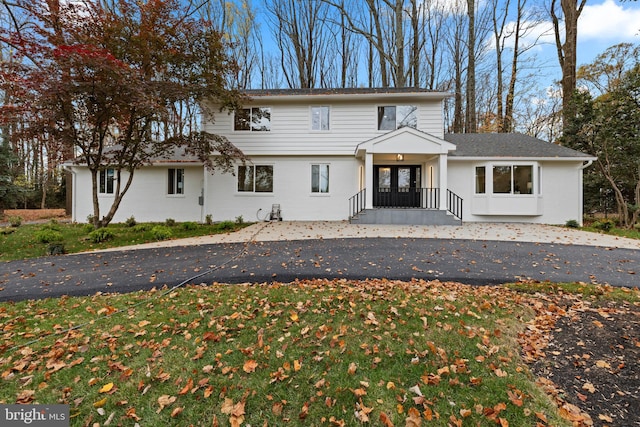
[(413, 197), (454, 204), (410, 197), (357, 203)]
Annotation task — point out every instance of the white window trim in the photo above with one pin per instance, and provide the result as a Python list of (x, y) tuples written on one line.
[(377, 124), (175, 194), (250, 130), (105, 193), (319, 194), (255, 193), (311, 129), (536, 171)]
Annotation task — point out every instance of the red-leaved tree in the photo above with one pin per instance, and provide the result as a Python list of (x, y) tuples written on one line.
[(116, 84)]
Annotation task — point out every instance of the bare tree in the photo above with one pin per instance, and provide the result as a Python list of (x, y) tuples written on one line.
[(470, 114), (299, 28), (567, 48)]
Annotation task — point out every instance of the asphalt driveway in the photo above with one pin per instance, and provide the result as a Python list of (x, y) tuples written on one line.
[(476, 262)]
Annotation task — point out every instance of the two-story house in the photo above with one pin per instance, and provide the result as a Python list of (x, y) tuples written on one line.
[(367, 155)]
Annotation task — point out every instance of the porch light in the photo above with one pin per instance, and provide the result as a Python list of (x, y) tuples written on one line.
[(400, 157)]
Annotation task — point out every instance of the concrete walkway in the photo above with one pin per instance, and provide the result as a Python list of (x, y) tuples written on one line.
[(310, 230)]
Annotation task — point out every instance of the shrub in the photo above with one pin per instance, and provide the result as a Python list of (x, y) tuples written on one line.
[(15, 221), (605, 225), (169, 222), (130, 222), (572, 223), (52, 225), (189, 225), (56, 249), (88, 228), (239, 220), (208, 219), (141, 228), (161, 232), (225, 225), (47, 235), (101, 235)]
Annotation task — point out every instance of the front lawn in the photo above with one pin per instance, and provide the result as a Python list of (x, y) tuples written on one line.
[(35, 240), (335, 353)]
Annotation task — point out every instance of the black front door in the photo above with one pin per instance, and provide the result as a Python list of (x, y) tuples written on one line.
[(396, 186)]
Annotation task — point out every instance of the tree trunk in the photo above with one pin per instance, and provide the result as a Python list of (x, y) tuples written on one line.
[(567, 49), (471, 123)]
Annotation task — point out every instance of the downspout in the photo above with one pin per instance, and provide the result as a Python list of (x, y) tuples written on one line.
[(582, 168)]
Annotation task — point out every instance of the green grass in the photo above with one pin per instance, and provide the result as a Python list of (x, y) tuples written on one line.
[(310, 353), (23, 242), (587, 291)]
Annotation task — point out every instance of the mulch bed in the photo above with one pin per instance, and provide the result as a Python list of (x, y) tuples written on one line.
[(587, 356)]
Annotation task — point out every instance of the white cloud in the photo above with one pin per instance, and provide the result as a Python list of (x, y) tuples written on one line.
[(610, 21)]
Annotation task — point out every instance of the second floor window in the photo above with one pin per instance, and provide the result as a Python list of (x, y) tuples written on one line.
[(393, 117), (107, 178), (175, 181), (255, 119), (319, 118)]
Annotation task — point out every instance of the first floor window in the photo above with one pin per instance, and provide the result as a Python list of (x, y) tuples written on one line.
[(502, 179), (481, 180), (513, 179), (175, 181), (255, 178), (107, 176), (320, 178)]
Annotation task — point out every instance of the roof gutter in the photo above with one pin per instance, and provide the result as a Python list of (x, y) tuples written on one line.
[(586, 165)]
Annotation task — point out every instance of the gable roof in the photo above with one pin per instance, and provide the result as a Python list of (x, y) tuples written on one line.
[(405, 140), (509, 145)]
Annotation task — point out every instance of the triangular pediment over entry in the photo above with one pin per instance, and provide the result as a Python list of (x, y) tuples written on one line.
[(405, 140)]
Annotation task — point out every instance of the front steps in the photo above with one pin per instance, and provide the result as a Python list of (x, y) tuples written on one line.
[(405, 216)]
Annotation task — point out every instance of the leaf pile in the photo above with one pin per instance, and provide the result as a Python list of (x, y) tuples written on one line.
[(586, 351), (336, 353)]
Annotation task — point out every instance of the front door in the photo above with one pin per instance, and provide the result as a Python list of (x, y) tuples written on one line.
[(396, 186)]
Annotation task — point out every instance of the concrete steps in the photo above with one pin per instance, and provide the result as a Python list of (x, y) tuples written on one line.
[(405, 216)]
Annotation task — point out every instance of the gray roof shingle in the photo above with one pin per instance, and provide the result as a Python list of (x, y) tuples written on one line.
[(508, 145)]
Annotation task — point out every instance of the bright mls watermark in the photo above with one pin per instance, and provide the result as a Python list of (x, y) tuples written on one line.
[(34, 415)]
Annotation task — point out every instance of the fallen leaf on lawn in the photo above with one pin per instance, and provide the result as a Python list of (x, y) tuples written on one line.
[(177, 411), (250, 366), (352, 368), (385, 420), (164, 401), (100, 403), (413, 419), (589, 387), (106, 388), (304, 411), (606, 418)]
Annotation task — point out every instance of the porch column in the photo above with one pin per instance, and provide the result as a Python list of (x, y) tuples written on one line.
[(442, 181), (368, 180)]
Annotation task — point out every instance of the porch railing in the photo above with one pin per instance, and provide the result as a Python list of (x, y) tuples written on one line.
[(357, 203), (410, 197), (414, 197), (454, 204)]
